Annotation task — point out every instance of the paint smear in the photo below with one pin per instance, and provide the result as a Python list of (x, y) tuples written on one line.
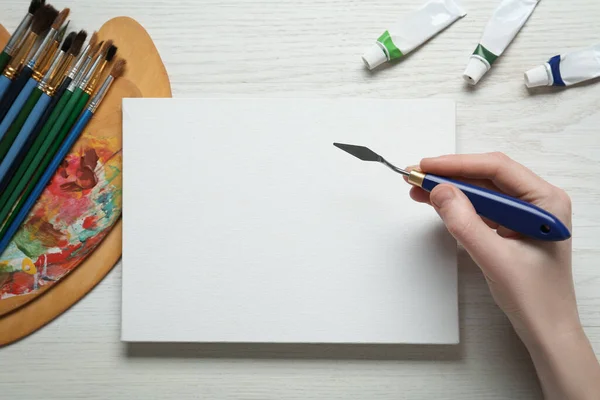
[(76, 211)]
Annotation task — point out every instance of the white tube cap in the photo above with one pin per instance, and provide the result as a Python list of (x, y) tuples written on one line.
[(374, 56), (476, 69), (537, 76)]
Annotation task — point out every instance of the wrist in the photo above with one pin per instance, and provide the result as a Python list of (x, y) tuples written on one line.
[(565, 363), (552, 341), (546, 336)]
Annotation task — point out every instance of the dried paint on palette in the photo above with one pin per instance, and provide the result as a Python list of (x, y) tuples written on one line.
[(73, 215)]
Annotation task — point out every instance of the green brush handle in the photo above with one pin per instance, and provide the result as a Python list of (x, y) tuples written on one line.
[(17, 124), (17, 183), (47, 135), (79, 100), (4, 60)]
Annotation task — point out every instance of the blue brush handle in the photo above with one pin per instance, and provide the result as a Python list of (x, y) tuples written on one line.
[(13, 91), (4, 84), (16, 107), (48, 174), (514, 214), (23, 136)]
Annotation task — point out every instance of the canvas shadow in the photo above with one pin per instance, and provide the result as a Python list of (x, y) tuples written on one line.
[(295, 351)]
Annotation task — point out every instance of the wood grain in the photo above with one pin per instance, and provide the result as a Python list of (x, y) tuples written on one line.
[(30, 312), (4, 36), (145, 67), (312, 48)]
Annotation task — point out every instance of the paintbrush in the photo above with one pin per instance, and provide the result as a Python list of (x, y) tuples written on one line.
[(48, 57), (29, 199), (17, 37), (512, 213), (53, 134), (14, 119), (36, 105), (16, 181), (87, 62), (88, 82), (84, 59), (59, 99), (22, 86), (38, 137), (42, 20)]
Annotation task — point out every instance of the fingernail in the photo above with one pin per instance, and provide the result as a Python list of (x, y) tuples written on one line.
[(441, 195), (408, 169)]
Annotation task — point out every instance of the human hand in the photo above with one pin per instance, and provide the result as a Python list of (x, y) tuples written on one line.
[(530, 280)]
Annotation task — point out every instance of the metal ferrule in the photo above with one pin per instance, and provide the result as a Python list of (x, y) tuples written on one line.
[(42, 49), (90, 72), (76, 73), (100, 94), (52, 71), (18, 35), (16, 64), (89, 89), (73, 84), (84, 69), (416, 178), (79, 63), (59, 76), (44, 65)]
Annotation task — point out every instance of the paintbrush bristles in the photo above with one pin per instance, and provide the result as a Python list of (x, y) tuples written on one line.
[(93, 40), (110, 54), (96, 50), (35, 5), (61, 33), (106, 46), (42, 19), (118, 68), (60, 19), (77, 43), (66, 45)]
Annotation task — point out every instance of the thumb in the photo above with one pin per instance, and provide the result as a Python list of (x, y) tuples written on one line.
[(464, 224)]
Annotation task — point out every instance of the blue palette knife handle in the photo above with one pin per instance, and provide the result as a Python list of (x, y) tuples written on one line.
[(517, 215), (512, 213)]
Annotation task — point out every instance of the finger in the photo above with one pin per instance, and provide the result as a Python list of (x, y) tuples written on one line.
[(408, 169), (422, 196), (490, 223), (484, 183), (419, 195), (508, 175), (459, 216), (507, 233)]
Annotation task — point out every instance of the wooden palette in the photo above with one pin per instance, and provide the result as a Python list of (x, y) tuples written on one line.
[(145, 77)]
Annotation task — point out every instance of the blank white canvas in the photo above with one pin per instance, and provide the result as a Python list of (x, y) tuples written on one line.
[(243, 223)]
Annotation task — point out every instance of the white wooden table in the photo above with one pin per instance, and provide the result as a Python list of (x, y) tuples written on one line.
[(312, 48)]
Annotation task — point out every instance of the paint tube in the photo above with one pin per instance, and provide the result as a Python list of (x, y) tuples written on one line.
[(412, 31), (567, 69), (506, 22)]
